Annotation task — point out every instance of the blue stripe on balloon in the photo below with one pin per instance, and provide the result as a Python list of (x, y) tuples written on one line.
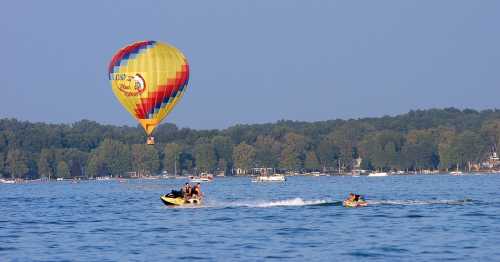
[(132, 54)]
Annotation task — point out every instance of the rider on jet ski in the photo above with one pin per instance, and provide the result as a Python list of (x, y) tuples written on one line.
[(197, 191), (186, 191)]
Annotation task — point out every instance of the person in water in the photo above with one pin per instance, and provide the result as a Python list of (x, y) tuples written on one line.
[(351, 197), (354, 197)]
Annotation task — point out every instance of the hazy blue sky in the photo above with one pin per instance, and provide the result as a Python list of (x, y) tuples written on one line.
[(254, 61)]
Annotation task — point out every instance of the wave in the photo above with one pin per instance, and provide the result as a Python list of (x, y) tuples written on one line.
[(297, 202), (266, 204), (420, 202), (329, 202), (294, 202)]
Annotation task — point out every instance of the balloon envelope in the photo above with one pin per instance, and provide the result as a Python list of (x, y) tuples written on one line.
[(149, 78)]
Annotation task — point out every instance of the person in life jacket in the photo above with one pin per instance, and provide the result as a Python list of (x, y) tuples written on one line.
[(186, 191), (197, 191)]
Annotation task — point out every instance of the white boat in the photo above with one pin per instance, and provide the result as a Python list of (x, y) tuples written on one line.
[(204, 177), (151, 177), (199, 180), (271, 178), (378, 174), (457, 172), (7, 181)]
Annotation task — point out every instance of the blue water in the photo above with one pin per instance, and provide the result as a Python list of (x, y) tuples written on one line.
[(409, 218)]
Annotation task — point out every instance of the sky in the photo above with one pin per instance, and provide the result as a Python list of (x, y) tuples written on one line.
[(254, 61)]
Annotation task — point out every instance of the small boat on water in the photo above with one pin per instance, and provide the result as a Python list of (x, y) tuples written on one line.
[(7, 181), (269, 178), (457, 172), (378, 174), (101, 178), (204, 177)]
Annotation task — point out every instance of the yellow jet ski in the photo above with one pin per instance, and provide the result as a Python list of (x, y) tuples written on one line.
[(175, 198)]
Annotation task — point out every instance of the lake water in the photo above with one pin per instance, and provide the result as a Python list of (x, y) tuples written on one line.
[(409, 218)]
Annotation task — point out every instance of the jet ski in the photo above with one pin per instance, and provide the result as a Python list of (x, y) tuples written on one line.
[(351, 203), (175, 198)]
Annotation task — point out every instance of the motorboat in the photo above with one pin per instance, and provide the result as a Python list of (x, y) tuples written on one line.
[(204, 177), (198, 180), (7, 181), (457, 172), (377, 174), (270, 178)]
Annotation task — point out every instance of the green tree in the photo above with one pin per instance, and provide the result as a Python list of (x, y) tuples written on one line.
[(2, 164), (187, 161), (327, 152), (244, 156), (172, 159), (382, 149), (491, 131), (16, 163), (346, 139), (95, 165), (311, 162), (145, 159), (205, 157), (448, 156), (63, 170), (3, 142), (74, 158), (420, 150), (470, 148), (223, 148), (110, 158), (267, 151), (293, 154), (46, 163)]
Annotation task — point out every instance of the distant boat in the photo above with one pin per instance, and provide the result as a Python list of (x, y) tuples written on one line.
[(204, 177), (456, 172), (7, 181), (270, 178), (378, 174)]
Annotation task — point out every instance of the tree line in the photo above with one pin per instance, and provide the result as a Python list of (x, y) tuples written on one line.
[(420, 139)]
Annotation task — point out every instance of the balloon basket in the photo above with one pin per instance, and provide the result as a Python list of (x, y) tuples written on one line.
[(150, 141)]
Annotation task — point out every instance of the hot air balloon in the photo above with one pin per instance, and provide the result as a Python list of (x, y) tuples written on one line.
[(149, 78)]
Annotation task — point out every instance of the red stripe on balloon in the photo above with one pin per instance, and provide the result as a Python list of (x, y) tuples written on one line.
[(164, 92)]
